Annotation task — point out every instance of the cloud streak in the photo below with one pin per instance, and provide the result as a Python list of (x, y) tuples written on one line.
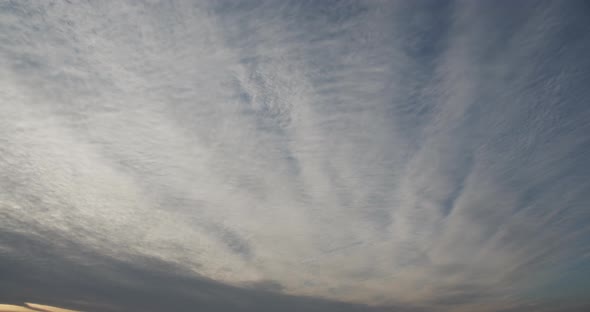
[(419, 155)]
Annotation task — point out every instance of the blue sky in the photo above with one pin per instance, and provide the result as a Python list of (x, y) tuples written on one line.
[(332, 155)]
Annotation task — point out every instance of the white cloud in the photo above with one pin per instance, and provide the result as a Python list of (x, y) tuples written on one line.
[(379, 153)]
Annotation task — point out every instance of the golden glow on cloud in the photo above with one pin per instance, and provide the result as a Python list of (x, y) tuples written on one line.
[(32, 307), (46, 308), (13, 308)]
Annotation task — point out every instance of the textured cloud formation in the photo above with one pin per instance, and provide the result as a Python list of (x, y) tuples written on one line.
[(422, 155)]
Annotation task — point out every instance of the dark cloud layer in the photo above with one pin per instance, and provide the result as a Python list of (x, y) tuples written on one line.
[(68, 276)]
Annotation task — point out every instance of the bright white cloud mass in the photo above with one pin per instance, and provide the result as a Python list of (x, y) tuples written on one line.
[(424, 155)]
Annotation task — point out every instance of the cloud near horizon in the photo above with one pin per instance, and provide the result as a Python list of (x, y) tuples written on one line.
[(31, 307), (332, 155)]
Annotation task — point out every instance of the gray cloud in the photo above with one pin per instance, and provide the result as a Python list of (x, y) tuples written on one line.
[(81, 279), (424, 155)]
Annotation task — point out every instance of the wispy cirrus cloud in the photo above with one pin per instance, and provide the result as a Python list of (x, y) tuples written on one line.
[(425, 155)]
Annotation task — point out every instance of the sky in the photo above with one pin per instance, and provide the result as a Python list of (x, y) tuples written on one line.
[(364, 156)]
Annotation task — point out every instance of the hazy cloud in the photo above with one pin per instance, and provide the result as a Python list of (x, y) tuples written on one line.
[(251, 155)]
